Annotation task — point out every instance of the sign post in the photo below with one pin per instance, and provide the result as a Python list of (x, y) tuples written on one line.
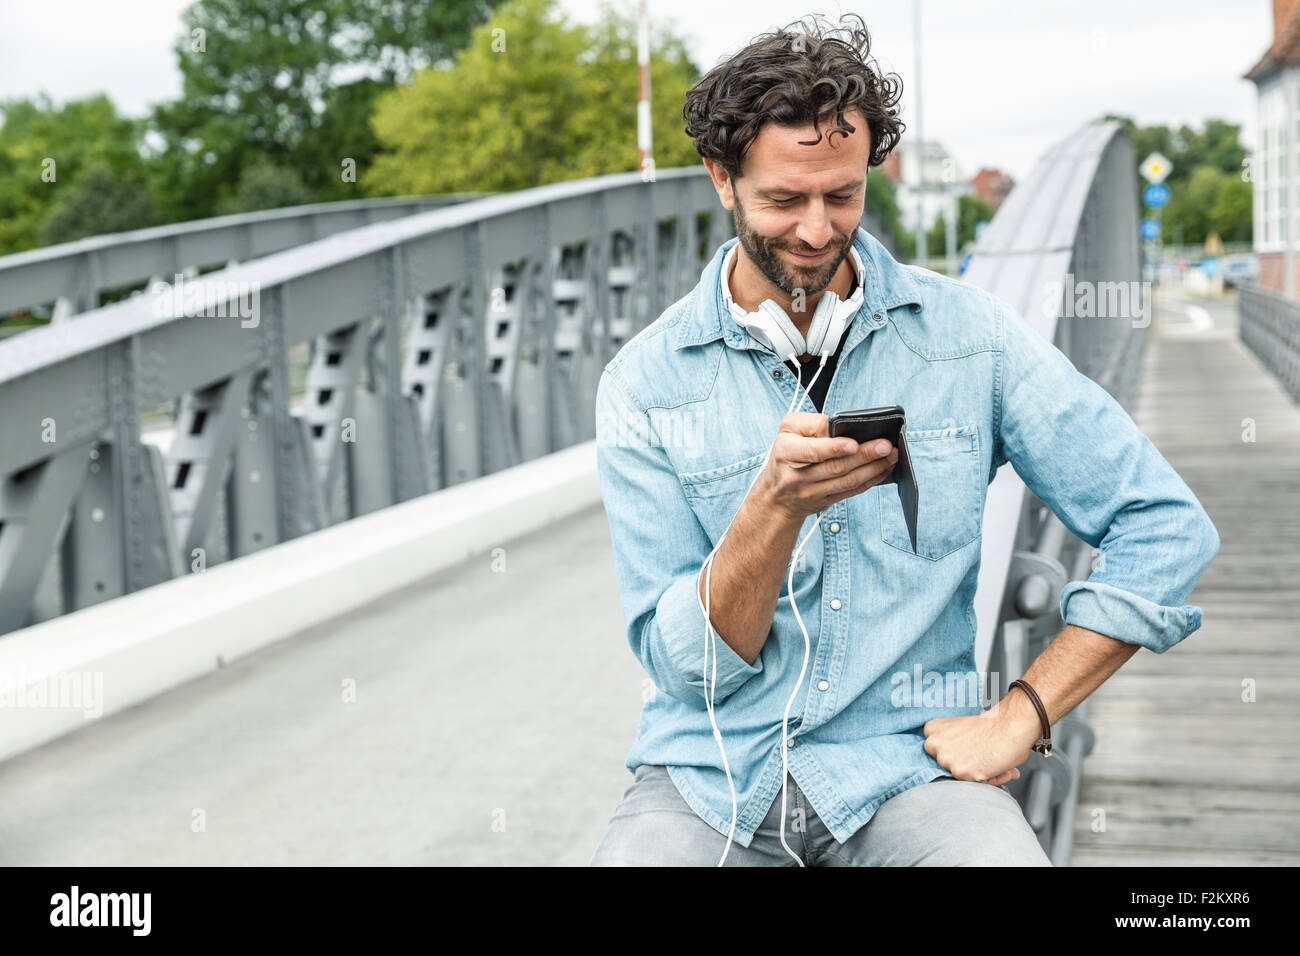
[(1154, 169), (1210, 264)]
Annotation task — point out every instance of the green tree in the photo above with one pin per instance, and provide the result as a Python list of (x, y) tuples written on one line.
[(47, 150), (1206, 162), (1190, 208), (264, 185), (1232, 216), (101, 202), (882, 203), (343, 133), (970, 210), (260, 78), (532, 100)]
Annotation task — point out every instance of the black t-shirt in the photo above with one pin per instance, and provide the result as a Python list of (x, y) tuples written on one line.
[(808, 369)]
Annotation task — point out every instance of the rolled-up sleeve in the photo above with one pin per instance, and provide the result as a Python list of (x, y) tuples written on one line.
[(659, 548), (1081, 453)]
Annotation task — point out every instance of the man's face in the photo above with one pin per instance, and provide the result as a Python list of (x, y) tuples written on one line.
[(797, 198)]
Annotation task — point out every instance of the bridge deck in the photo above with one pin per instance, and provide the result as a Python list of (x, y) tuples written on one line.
[(476, 740), (1185, 772), (478, 693)]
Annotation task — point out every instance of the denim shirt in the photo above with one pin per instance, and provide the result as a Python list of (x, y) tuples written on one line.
[(685, 413)]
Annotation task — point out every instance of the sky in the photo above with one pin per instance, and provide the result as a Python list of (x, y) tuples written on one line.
[(1001, 80)]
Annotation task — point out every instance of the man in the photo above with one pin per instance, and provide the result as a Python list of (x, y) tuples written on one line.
[(687, 412)]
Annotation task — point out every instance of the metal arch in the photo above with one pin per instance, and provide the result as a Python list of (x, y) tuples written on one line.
[(1074, 220)]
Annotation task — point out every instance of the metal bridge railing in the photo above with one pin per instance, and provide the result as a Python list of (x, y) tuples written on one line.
[(1070, 227), (408, 388), (74, 274), (1269, 325)]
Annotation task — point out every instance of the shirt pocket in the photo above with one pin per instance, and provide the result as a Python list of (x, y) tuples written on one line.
[(950, 498), (715, 494)]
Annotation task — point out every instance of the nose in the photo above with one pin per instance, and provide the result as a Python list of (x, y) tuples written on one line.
[(815, 227)]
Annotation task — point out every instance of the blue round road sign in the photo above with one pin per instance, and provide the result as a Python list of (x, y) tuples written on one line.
[(1155, 195), (1150, 229)]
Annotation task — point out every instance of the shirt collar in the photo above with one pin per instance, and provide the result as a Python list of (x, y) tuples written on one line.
[(886, 285)]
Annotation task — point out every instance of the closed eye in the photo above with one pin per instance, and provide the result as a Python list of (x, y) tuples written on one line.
[(786, 202)]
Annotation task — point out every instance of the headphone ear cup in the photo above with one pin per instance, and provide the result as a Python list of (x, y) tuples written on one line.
[(781, 332), (764, 331)]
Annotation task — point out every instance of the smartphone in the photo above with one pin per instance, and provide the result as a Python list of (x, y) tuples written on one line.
[(890, 423)]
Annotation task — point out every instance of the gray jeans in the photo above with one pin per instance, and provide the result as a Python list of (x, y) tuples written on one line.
[(945, 822)]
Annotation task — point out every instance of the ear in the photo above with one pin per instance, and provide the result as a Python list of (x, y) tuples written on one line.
[(722, 183)]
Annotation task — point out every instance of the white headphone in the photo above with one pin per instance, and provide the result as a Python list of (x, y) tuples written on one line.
[(773, 329)]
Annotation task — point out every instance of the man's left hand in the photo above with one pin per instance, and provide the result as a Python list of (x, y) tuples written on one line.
[(987, 747)]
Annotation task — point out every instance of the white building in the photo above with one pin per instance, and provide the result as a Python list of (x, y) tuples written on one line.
[(944, 182), (1277, 83)]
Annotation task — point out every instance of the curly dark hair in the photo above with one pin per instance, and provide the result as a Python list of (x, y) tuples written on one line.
[(792, 79)]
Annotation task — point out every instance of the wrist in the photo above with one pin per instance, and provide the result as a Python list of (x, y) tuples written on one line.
[(1021, 717), (773, 509)]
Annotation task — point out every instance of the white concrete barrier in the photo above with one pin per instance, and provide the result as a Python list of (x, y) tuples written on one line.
[(56, 675)]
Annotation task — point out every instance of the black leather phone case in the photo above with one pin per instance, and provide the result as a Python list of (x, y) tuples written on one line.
[(888, 422)]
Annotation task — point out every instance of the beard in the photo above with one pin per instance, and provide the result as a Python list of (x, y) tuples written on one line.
[(786, 275)]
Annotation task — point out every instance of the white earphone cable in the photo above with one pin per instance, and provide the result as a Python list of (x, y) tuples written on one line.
[(709, 632), (710, 635), (807, 649)]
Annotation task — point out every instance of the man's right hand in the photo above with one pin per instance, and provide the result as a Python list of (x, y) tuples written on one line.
[(808, 471)]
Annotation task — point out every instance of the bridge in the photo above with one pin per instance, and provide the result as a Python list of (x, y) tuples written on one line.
[(300, 553)]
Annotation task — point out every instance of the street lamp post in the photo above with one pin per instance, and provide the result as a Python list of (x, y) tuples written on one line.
[(643, 127), (920, 140)]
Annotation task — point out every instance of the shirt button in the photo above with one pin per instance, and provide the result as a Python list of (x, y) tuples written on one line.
[(823, 685), (789, 742), (835, 604), (835, 527), (776, 373)]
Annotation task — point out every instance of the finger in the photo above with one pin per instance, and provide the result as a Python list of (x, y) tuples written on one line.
[(842, 463), (880, 466), (857, 479), (802, 451)]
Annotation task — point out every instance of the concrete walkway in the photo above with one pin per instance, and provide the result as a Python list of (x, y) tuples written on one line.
[(493, 710)]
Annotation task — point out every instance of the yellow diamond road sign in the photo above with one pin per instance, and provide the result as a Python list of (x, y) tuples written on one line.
[(1155, 168)]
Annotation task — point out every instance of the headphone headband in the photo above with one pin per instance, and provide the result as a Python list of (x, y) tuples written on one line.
[(773, 329)]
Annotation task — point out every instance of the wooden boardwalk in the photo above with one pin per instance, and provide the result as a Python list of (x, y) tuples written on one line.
[(1184, 772)]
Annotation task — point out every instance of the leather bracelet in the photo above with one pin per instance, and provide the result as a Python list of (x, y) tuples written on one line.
[(1044, 743)]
